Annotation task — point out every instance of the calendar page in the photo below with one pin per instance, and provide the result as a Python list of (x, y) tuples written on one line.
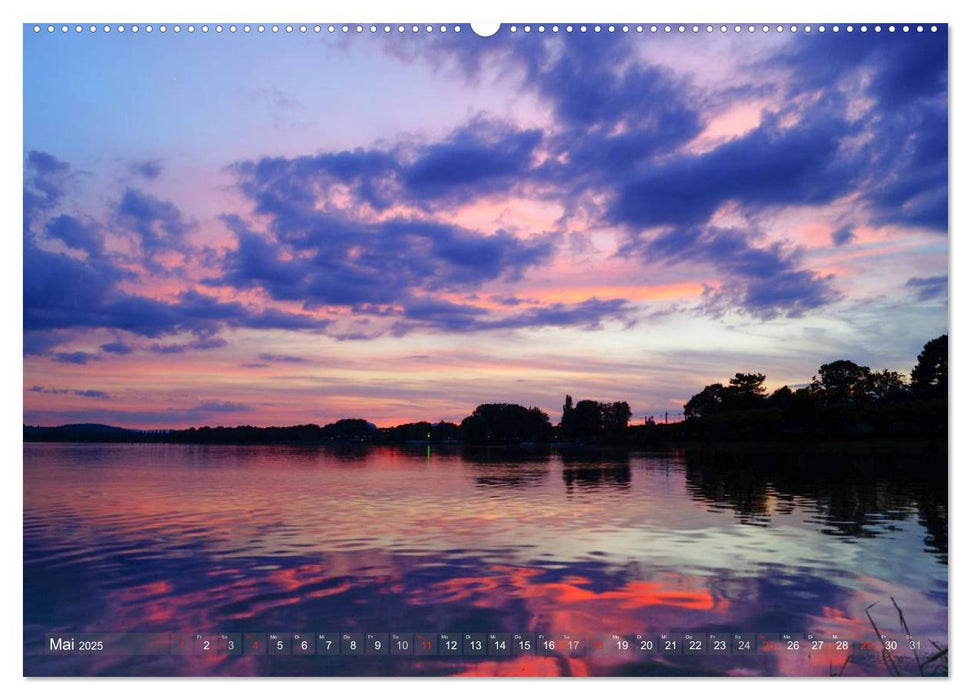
[(436, 349)]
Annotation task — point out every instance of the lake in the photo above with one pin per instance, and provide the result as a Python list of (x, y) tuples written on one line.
[(222, 539)]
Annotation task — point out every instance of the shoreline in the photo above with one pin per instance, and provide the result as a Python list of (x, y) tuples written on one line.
[(909, 445)]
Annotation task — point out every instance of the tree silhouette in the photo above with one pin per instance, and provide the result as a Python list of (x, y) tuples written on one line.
[(781, 397), (586, 420), (706, 402), (886, 386), (744, 391), (566, 422), (843, 381), (929, 376), (590, 419), (506, 423), (615, 415)]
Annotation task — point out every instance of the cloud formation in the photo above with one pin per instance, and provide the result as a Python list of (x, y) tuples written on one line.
[(46, 180), (117, 348), (147, 169), (220, 407), (905, 76), (929, 287), (272, 357), (73, 358), (324, 259), (85, 393), (862, 114), (363, 230), (766, 279), (842, 236), (64, 291)]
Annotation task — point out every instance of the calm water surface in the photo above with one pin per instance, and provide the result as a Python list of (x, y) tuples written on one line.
[(217, 539)]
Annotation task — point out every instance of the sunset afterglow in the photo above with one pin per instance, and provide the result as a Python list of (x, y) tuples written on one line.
[(402, 227)]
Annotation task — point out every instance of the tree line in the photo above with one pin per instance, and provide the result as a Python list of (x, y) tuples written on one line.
[(843, 399), (836, 383)]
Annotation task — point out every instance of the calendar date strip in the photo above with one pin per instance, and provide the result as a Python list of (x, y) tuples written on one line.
[(468, 644)]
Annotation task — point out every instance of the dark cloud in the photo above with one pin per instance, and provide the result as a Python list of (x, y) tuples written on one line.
[(209, 311), (929, 287), (207, 343), (619, 125), (76, 234), (44, 164), (43, 390), (179, 348), (613, 111), (589, 314), (842, 236), (442, 314), (323, 259), (906, 76), (46, 180), (271, 318), (768, 166), (910, 180), (479, 158), (86, 393), (356, 335), (594, 83), (445, 315), (73, 358), (159, 225), (116, 348), (903, 67), (280, 185), (42, 342), (62, 292), (92, 394), (476, 161), (909, 68), (789, 292), (148, 169), (508, 300), (220, 407), (765, 281), (615, 116), (270, 357)]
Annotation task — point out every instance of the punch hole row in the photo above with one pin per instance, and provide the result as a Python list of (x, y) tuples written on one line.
[(720, 28), (249, 28), (442, 28)]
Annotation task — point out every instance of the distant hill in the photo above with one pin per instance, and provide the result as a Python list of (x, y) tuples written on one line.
[(93, 428), (84, 432)]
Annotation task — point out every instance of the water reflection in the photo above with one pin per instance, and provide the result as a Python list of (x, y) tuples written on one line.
[(227, 539), (851, 495), (584, 471)]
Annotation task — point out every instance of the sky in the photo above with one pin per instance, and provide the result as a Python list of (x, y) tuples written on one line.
[(228, 229)]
